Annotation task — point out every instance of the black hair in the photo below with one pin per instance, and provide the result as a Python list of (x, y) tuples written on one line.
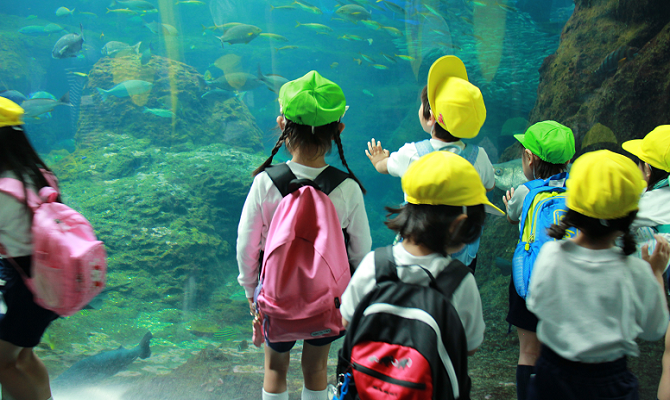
[(597, 228), (656, 176), (544, 169), (320, 140), (440, 132), (429, 225), (18, 156)]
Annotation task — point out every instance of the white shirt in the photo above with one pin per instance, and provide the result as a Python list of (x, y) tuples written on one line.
[(593, 304), (465, 299), (15, 224), (400, 160), (260, 206)]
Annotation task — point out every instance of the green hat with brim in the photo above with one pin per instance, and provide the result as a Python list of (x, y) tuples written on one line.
[(312, 100), (549, 140)]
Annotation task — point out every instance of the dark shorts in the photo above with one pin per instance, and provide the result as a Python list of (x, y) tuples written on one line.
[(283, 347), (518, 315), (559, 379), (24, 322)]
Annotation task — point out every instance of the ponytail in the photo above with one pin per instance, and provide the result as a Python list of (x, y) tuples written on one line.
[(340, 150), (267, 162)]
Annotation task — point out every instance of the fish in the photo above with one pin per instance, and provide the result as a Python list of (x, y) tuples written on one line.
[(160, 112), (126, 89), (598, 133), (227, 333), (243, 345), (133, 4), (393, 6), (320, 28), (42, 95), (505, 266), (193, 2), (281, 7), (93, 369), (122, 11), (405, 57), (35, 107), (358, 61), (389, 57), (351, 38), (372, 24), (146, 55), (88, 13), (273, 82), (68, 45), (165, 29), (218, 92), (119, 49), (367, 58), (235, 81), (285, 48), (368, 93), (33, 30), (509, 174), (615, 59), (14, 95), (308, 7), (395, 32), (241, 33), (334, 64), (353, 12), (506, 7), (274, 36), (63, 11), (380, 66)]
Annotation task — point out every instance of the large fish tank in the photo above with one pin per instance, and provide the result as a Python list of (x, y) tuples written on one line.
[(161, 167)]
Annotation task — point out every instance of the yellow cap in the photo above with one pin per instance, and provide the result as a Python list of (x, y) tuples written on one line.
[(10, 113), (654, 149), (458, 105), (444, 178), (604, 185)]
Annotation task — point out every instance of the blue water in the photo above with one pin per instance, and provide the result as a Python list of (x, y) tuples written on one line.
[(381, 73)]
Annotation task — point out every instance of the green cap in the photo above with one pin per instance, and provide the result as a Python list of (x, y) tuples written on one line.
[(549, 140), (312, 100)]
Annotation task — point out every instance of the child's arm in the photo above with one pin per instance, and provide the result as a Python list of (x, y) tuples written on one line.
[(378, 156), (659, 258)]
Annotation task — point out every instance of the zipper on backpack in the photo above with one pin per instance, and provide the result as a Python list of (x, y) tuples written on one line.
[(531, 237), (388, 379)]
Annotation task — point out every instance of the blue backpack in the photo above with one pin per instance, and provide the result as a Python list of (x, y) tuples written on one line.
[(543, 206), (470, 153)]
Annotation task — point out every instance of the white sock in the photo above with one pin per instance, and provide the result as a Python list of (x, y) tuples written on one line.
[(313, 394), (275, 396)]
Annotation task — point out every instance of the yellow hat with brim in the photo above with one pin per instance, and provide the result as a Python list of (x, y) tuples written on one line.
[(444, 178), (654, 149), (458, 105), (604, 185), (10, 113)]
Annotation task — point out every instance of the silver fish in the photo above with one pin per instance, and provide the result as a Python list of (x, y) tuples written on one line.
[(36, 107), (69, 45)]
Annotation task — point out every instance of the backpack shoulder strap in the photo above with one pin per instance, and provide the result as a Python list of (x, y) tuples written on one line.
[(423, 147), (14, 188), (451, 277), (330, 178), (470, 153), (281, 176), (385, 267)]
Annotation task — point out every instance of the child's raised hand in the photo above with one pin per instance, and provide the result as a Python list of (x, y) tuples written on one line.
[(660, 257), (508, 195), (375, 152)]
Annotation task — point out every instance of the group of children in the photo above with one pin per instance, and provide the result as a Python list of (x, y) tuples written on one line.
[(588, 298)]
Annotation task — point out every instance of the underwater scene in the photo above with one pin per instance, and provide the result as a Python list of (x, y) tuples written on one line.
[(154, 113)]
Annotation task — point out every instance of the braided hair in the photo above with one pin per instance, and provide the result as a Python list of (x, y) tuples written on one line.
[(318, 139), (597, 228)]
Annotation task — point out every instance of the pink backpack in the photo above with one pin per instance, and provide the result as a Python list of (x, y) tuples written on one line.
[(305, 265), (69, 264)]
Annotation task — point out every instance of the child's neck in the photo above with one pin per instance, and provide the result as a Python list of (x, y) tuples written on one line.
[(601, 243), (308, 160), (416, 249)]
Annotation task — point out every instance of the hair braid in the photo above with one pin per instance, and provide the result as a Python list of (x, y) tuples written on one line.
[(267, 162), (340, 150)]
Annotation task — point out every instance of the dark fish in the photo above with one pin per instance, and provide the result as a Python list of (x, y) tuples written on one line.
[(103, 365), (146, 55), (274, 82), (69, 45), (235, 81), (240, 34), (13, 95), (611, 63), (504, 266)]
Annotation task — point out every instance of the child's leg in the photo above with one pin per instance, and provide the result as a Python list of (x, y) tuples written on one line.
[(529, 351), (23, 376), (276, 370), (315, 366), (664, 385)]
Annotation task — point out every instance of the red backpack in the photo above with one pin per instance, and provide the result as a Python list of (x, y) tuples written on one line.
[(305, 266)]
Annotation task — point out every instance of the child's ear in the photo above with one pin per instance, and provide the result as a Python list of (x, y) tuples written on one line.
[(456, 224)]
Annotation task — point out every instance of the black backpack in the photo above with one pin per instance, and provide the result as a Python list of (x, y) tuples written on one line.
[(406, 341)]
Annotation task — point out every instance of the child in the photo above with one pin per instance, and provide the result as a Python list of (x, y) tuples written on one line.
[(22, 374), (312, 107), (548, 146), (592, 300), (654, 216), (445, 209), (460, 111)]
